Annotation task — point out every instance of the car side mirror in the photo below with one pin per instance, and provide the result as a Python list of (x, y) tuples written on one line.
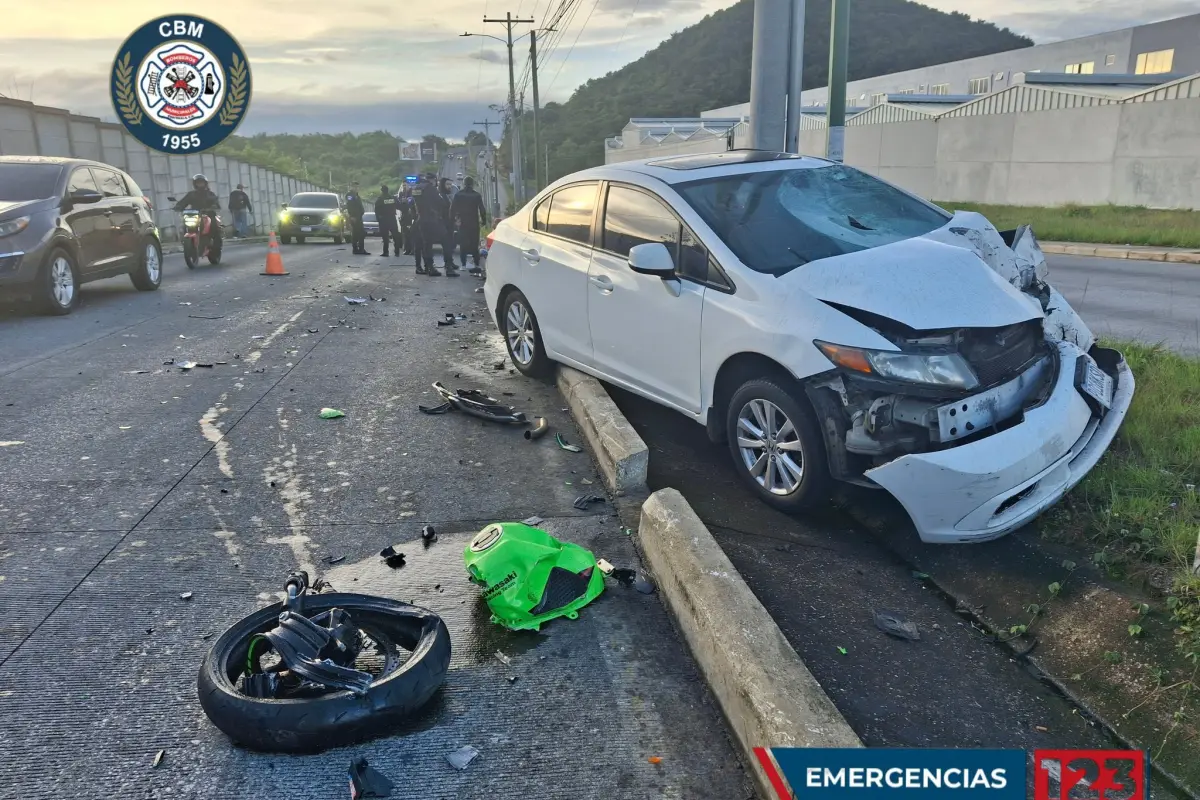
[(652, 259), (85, 196), (283, 205), (172, 200)]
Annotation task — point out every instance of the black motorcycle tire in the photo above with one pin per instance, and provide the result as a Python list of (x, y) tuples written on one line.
[(190, 256), (338, 718), (214, 256)]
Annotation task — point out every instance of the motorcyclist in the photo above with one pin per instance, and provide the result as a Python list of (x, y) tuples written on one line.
[(467, 208), (385, 213), (203, 199)]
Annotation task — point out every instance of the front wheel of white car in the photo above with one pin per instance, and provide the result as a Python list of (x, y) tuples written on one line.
[(777, 446), (522, 336)]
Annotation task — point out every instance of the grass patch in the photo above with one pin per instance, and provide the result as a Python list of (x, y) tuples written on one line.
[(1132, 225), (1138, 511)]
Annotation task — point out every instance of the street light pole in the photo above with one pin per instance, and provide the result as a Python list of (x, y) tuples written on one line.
[(839, 51), (791, 140), (769, 74)]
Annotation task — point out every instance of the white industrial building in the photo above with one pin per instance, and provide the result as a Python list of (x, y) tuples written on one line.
[(1043, 139)]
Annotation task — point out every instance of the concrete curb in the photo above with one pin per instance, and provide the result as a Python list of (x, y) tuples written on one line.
[(768, 696), (620, 453), (1172, 255)]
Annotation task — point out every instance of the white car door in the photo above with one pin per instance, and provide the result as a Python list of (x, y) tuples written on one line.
[(645, 330), (555, 257)]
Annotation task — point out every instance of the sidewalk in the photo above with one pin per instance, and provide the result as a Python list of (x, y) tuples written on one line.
[(1175, 255)]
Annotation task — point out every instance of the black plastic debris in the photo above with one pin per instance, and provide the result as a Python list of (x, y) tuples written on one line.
[(499, 365), (643, 584), (334, 559), (477, 404), (461, 758), (392, 558), (539, 429), (201, 316), (583, 501), (446, 321), (565, 445), (313, 330), (896, 625), (532, 522), (428, 535), (366, 781), (442, 409)]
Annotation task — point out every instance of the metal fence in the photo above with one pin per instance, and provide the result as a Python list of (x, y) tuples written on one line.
[(32, 130)]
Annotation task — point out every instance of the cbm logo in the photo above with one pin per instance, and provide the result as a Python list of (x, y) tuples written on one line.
[(1090, 775)]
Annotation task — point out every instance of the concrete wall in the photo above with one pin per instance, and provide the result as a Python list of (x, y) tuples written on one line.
[(30, 130)]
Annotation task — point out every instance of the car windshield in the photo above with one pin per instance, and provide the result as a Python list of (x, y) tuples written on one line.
[(778, 220), (314, 201), (28, 181)]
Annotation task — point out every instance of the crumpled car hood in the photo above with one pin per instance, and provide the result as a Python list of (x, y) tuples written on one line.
[(961, 275)]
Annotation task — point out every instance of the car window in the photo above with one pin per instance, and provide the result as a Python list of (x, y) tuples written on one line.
[(82, 179), (111, 184), (632, 217), (693, 258), (134, 189), (778, 220), (541, 215), (571, 213), (315, 200), (28, 181)]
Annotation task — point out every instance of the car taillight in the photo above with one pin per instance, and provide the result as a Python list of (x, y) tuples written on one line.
[(491, 237), (149, 204)]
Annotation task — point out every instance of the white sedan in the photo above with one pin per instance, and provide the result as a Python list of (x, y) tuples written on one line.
[(824, 323)]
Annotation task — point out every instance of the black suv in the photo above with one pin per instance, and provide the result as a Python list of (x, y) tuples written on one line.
[(67, 221), (313, 214)]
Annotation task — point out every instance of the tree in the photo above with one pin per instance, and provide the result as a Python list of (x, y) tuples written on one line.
[(442, 144), (477, 139)]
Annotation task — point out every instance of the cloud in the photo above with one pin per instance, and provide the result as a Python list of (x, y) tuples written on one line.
[(624, 6), (490, 56)]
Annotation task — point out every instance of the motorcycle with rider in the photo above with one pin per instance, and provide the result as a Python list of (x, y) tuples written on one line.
[(202, 236)]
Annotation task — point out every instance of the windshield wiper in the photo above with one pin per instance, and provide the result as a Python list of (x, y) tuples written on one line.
[(856, 224)]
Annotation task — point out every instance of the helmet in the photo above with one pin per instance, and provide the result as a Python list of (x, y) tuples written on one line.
[(199, 178)]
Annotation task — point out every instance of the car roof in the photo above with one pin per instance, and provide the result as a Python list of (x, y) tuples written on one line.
[(686, 168), (57, 161)]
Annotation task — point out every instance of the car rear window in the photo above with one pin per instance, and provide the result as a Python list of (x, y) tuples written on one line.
[(28, 181), (314, 200), (369, 216), (778, 220)]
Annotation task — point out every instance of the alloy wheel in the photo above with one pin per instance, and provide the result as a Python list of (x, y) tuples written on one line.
[(519, 325), (62, 281), (769, 446), (153, 267)]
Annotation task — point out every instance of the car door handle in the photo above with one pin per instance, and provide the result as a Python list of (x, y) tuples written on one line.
[(532, 255), (108, 213), (602, 282)]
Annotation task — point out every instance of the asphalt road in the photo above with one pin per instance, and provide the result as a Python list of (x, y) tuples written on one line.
[(128, 482), (1149, 301)]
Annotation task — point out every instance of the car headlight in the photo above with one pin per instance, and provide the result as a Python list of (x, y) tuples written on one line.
[(335, 218), (934, 369), (13, 226), (284, 216)]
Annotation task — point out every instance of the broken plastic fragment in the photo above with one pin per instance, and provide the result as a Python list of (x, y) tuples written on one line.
[(461, 758), (565, 445), (654, 760), (356, 301), (428, 534), (158, 758), (442, 409), (895, 625), (586, 500), (366, 781), (185, 365), (334, 559), (843, 650), (505, 660), (532, 522), (392, 558), (331, 413), (186, 596)]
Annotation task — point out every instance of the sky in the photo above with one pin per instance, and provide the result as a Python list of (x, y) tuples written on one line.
[(329, 66)]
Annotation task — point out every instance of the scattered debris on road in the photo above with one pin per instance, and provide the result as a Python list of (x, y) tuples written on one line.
[(158, 758), (476, 403), (331, 413), (186, 596), (10, 444), (201, 316), (334, 559), (356, 301), (532, 522), (583, 501), (505, 660), (896, 625), (654, 759), (461, 758), (540, 426), (185, 365), (367, 782), (428, 534), (313, 330), (565, 445), (392, 558)]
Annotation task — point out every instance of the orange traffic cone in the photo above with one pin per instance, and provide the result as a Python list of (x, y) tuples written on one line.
[(274, 260)]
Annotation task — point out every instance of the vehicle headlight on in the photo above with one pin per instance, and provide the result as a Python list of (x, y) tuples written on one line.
[(335, 218), (191, 222), (13, 226), (284, 216), (934, 369)]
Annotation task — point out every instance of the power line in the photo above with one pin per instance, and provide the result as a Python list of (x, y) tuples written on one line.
[(572, 50), (617, 49)]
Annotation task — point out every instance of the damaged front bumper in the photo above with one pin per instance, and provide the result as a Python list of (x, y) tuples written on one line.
[(992, 486)]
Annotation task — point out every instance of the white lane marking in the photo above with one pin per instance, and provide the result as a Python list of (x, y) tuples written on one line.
[(282, 473), (227, 538), (10, 444), (212, 432), (265, 343)]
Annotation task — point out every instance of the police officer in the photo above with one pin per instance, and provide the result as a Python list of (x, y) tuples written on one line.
[(385, 213), (467, 208), (430, 224), (407, 217), (446, 191), (354, 207)]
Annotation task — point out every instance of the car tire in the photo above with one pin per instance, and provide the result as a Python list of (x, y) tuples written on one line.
[(147, 275), (337, 240), (778, 481), (285, 240), (58, 283), (522, 336)]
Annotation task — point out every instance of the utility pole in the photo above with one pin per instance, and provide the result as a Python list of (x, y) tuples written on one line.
[(839, 52), (537, 134), (491, 157), (508, 22), (769, 74), (791, 141), (546, 152)]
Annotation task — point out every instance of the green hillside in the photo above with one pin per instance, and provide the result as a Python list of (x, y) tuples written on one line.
[(708, 66)]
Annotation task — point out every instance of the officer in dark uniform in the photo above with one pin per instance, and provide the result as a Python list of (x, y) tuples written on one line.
[(446, 192), (467, 208), (430, 224), (385, 213), (407, 217), (354, 207)]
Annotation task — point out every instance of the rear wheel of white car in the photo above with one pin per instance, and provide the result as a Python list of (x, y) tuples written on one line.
[(522, 336), (777, 446)]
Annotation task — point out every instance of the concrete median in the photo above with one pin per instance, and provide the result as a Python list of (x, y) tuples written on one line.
[(768, 696), (619, 452)]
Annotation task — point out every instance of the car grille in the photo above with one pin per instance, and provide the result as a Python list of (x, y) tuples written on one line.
[(1000, 354), (309, 219)]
